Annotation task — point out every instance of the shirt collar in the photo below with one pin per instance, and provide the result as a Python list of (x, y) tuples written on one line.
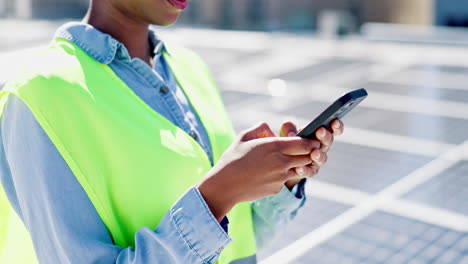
[(157, 43), (101, 46)]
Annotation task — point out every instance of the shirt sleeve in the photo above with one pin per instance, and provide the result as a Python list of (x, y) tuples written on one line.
[(272, 214), (64, 225)]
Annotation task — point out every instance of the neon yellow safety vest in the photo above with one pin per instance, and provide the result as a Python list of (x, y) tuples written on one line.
[(132, 162)]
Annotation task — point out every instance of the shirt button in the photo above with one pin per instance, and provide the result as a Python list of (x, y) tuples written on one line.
[(164, 90), (193, 135)]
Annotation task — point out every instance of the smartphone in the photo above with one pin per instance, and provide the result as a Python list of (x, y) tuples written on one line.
[(337, 110)]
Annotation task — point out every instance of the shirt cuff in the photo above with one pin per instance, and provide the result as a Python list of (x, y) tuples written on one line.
[(197, 225)]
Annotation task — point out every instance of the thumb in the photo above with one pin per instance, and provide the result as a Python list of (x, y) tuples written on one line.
[(288, 129), (260, 130)]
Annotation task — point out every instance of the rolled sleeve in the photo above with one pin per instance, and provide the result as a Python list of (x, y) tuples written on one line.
[(195, 223)]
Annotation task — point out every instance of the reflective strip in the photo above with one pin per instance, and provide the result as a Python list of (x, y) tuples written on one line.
[(247, 260)]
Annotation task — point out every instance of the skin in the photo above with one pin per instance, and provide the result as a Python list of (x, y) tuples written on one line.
[(319, 156), (128, 21), (258, 163)]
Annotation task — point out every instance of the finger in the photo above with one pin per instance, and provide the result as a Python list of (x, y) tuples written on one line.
[(296, 146), (260, 130), (298, 161), (319, 157), (293, 174), (308, 171), (325, 137), (336, 127), (300, 170), (288, 129)]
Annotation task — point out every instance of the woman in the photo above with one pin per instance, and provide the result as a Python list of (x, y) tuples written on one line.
[(109, 143)]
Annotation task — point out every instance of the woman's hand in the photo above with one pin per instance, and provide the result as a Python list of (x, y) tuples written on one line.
[(256, 165), (319, 156)]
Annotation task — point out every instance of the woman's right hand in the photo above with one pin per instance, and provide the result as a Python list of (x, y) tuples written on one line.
[(256, 165)]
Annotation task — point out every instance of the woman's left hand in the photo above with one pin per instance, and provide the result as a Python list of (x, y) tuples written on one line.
[(318, 156)]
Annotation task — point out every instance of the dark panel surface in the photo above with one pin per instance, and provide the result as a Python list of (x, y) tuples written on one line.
[(385, 238), (315, 213), (448, 190), (444, 129), (367, 169), (318, 69), (418, 91)]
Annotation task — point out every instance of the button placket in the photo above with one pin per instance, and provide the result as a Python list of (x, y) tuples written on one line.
[(193, 135), (164, 90)]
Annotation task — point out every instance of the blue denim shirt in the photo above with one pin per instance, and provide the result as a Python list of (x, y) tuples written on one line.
[(64, 224)]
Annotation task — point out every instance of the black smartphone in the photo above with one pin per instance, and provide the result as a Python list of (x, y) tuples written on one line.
[(337, 110)]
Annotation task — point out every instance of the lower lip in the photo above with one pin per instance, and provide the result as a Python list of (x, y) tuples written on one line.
[(179, 4)]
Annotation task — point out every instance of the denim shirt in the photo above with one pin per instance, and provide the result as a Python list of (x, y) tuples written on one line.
[(64, 225)]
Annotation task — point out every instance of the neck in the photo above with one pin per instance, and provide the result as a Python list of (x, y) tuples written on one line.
[(130, 32)]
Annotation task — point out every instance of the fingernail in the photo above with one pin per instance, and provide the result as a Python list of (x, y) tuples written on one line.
[(291, 134), (322, 133), (337, 125), (300, 170), (317, 156)]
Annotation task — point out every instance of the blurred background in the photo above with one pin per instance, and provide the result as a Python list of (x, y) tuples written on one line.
[(274, 14), (395, 188)]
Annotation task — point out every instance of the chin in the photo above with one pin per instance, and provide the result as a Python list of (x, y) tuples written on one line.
[(167, 23), (165, 20)]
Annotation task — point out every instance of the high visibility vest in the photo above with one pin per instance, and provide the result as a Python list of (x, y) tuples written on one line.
[(132, 162)]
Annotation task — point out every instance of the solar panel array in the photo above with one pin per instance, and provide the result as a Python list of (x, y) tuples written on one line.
[(394, 189)]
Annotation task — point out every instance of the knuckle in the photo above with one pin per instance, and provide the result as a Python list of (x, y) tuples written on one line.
[(315, 144), (263, 125), (308, 145)]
